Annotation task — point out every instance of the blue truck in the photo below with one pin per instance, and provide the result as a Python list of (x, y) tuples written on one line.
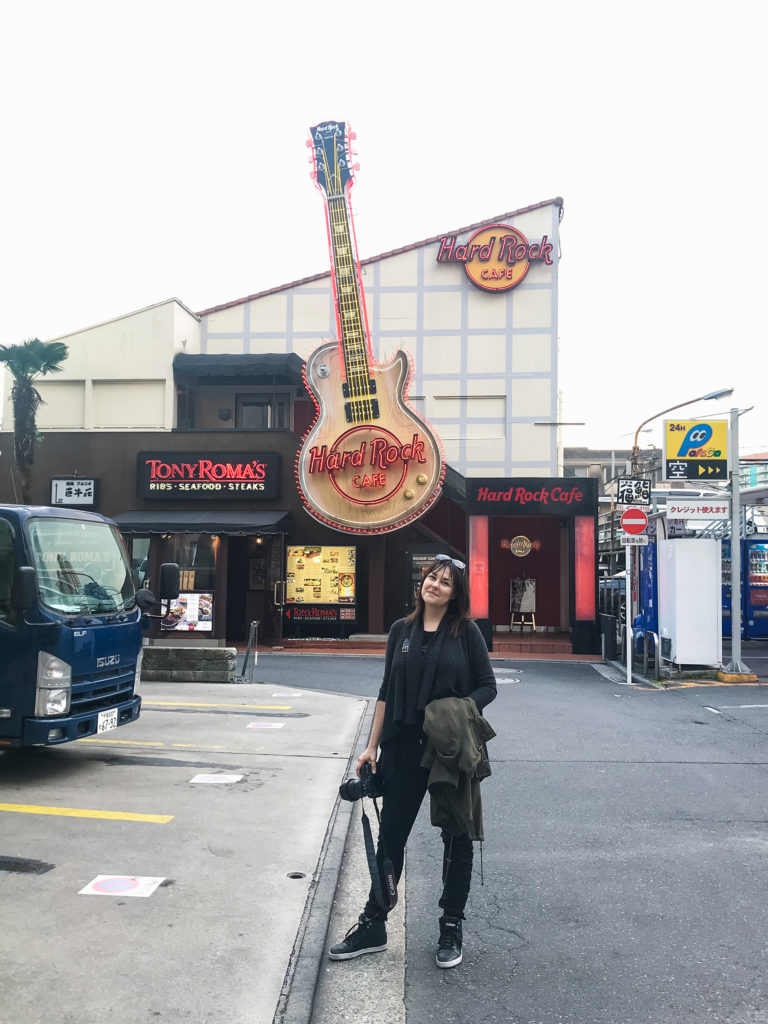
[(71, 624)]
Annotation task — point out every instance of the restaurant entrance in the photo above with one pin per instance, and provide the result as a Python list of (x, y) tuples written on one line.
[(255, 571)]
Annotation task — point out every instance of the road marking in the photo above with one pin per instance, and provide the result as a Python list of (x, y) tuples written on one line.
[(744, 705), (145, 743), (82, 812), (125, 743), (713, 710), (194, 704)]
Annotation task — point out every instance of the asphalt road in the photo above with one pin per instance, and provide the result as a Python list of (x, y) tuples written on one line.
[(625, 861)]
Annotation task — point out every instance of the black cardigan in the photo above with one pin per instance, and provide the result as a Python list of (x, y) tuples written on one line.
[(451, 667)]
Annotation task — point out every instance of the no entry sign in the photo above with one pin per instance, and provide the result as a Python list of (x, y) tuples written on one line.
[(634, 521)]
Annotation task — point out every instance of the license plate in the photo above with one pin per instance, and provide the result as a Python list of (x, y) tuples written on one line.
[(107, 720)]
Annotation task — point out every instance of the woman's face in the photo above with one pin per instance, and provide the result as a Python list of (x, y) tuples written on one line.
[(437, 589)]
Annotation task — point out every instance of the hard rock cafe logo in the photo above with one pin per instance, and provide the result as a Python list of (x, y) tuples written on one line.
[(520, 545), (496, 258), (367, 464)]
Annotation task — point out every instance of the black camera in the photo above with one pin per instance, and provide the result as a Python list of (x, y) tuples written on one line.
[(367, 785)]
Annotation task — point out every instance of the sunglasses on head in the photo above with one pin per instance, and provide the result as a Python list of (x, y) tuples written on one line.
[(461, 566)]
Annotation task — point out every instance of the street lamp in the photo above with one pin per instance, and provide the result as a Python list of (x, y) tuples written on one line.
[(631, 564), (720, 393)]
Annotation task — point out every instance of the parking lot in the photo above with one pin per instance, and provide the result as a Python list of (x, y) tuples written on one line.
[(194, 835)]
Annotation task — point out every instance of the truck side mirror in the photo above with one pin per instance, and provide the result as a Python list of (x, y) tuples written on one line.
[(169, 581), (24, 590)]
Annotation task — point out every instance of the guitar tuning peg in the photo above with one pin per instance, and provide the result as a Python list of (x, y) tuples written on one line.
[(355, 167), (352, 135), (309, 143)]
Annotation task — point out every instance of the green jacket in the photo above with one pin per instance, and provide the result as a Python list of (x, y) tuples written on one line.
[(457, 760)]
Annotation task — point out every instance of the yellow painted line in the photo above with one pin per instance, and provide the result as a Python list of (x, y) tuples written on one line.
[(124, 743), (80, 812), (181, 704), (144, 743)]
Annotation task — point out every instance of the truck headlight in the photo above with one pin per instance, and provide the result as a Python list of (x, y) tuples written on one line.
[(54, 685)]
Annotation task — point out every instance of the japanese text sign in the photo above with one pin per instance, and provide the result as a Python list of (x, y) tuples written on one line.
[(696, 449)]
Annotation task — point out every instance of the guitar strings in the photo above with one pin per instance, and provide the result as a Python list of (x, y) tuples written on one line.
[(347, 296)]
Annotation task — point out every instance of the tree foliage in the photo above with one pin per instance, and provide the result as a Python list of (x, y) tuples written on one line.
[(27, 362)]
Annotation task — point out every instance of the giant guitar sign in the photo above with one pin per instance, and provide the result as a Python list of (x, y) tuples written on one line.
[(368, 464)]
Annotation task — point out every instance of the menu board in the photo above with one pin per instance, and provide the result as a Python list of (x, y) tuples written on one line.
[(190, 613), (320, 575)]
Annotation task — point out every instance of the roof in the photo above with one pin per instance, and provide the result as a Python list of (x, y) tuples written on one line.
[(557, 201)]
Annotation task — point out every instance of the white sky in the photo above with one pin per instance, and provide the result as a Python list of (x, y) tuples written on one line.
[(157, 149)]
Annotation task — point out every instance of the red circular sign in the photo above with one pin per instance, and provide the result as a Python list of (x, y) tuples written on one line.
[(634, 521)]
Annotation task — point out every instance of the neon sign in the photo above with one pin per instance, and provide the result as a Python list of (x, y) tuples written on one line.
[(221, 474), (496, 258)]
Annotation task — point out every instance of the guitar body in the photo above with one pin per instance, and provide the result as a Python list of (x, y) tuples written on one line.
[(374, 475), (369, 464)]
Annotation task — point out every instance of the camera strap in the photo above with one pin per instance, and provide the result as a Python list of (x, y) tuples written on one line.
[(383, 882)]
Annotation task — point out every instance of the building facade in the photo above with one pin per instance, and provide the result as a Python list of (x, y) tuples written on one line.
[(186, 428)]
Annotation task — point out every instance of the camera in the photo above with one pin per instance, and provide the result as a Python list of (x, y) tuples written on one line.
[(367, 785)]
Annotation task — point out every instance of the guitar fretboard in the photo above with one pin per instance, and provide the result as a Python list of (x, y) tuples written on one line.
[(359, 388)]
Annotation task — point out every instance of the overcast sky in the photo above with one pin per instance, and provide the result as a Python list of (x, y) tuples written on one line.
[(157, 149)]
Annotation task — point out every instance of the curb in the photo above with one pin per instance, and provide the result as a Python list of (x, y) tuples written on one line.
[(297, 995)]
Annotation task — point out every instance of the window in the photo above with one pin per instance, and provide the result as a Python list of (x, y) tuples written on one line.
[(262, 412), (7, 571), (196, 556)]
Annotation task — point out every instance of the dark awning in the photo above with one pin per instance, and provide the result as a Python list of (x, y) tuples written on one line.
[(280, 368), (267, 521)]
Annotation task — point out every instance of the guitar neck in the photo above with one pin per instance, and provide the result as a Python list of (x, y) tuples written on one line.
[(359, 387)]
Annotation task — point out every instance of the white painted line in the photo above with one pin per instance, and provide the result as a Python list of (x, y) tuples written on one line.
[(121, 885), (744, 705), (213, 780), (713, 710), (503, 682), (287, 694), (265, 725)]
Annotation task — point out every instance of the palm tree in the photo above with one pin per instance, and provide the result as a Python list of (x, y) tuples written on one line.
[(27, 361)]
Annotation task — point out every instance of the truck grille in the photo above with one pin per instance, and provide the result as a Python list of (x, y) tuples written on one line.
[(102, 689)]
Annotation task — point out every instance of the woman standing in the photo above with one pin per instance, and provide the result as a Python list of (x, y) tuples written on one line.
[(436, 652)]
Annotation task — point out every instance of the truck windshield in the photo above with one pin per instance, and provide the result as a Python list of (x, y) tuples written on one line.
[(81, 567)]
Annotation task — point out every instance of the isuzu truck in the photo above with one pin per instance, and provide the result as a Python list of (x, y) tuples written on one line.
[(71, 624)]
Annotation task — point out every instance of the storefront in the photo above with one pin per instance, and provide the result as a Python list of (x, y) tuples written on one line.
[(532, 547)]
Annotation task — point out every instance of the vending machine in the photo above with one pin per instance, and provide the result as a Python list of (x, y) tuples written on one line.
[(725, 582), (754, 588), (755, 577)]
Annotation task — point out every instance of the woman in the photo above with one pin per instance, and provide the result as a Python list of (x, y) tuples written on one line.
[(436, 652)]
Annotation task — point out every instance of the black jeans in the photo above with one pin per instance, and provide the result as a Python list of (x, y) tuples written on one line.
[(404, 790)]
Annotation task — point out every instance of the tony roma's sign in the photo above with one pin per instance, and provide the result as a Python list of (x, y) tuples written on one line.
[(542, 496), (495, 258), (248, 475)]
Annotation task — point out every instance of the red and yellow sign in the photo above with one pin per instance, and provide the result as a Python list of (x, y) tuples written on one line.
[(496, 258)]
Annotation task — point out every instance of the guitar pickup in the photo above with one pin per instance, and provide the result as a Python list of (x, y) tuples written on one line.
[(361, 409), (371, 388)]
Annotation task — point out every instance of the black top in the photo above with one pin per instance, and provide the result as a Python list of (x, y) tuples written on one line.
[(448, 667)]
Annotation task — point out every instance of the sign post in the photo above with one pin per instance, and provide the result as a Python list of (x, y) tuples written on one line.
[(633, 522)]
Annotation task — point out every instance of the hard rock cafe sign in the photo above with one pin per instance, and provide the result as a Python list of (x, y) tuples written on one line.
[(496, 258), (369, 463)]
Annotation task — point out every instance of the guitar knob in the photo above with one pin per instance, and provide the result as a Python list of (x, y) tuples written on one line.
[(421, 478), (408, 494)]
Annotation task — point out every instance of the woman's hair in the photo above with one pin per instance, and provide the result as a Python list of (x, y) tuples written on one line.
[(457, 612)]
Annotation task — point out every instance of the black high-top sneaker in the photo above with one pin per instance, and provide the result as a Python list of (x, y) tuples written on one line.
[(449, 946), (367, 936)]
